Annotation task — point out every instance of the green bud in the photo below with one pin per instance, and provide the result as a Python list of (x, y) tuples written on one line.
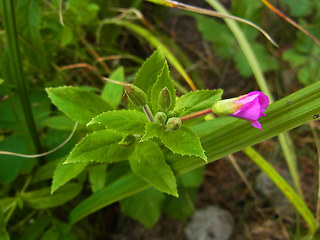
[(127, 140), (164, 100), (173, 124), (136, 95), (226, 107), (160, 117), (171, 114)]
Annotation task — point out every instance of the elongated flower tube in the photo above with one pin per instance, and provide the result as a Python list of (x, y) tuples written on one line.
[(249, 107)]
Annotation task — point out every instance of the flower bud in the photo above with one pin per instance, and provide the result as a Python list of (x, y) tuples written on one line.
[(249, 107), (127, 140), (173, 124), (226, 107), (136, 95), (160, 117), (164, 100)]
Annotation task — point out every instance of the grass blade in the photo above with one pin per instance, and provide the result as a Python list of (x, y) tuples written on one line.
[(16, 72), (284, 138), (285, 188)]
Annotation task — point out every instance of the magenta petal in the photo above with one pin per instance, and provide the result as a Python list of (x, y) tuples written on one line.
[(248, 98), (264, 102), (250, 111), (256, 124)]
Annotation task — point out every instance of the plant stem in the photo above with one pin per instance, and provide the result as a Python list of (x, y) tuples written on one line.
[(15, 71), (196, 114), (148, 112)]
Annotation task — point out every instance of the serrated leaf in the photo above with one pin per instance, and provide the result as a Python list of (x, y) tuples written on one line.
[(65, 172), (125, 121), (183, 141), (149, 72), (197, 100), (79, 105), (152, 129), (41, 199), (100, 146), (163, 80), (111, 92), (148, 162), (144, 206)]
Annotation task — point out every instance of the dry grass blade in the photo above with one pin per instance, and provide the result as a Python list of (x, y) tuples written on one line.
[(292, 22), (212, 13), (45, 153)]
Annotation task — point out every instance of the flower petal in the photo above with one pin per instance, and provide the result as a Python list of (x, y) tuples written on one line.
[(256, 124), (264, 102), (250, 111)]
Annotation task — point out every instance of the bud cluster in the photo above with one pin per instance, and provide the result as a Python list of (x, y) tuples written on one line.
[(164, 116)]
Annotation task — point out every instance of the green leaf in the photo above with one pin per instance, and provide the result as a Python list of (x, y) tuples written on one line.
[(28, 24), (67, 36), (65, 172), (79, 105), (41, 199), (4, 235), (149, 72), (111, 92), (84, 11), (183, 141), (60, 122), (123, 187), (192, 179), (224, 42), (97, 176), (299, 8), (266, 61), (36, 228), (249, 10), (182, 207), (46, 171), (11, 166), (163, 80), (197, 100), (100, 146), (124, 121), (51, 234), (149, 163), (152, 129), (144, 206)]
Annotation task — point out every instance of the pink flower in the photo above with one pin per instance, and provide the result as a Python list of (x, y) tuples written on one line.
[(253, 106), (249, 107)]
